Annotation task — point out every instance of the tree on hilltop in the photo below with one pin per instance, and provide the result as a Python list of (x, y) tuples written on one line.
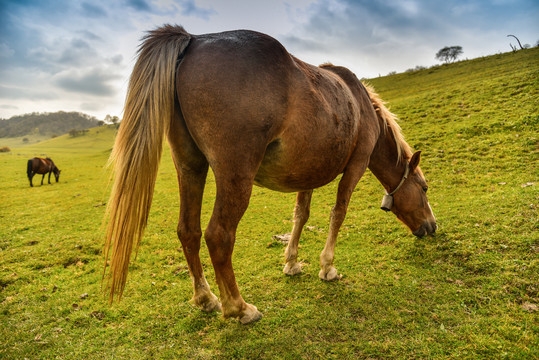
[(112, 119), (449, 53)]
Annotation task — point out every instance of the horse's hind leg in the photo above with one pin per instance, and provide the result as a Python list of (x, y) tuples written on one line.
[(301, 215), (233, 193), (189, 232), (192, 168)]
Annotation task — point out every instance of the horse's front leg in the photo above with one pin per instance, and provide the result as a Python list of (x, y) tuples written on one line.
[(189, 232), (301, 215), (43, 178), (50, 172), (347, 184)]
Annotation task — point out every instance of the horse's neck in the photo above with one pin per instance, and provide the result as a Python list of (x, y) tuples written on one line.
[(384, 162)]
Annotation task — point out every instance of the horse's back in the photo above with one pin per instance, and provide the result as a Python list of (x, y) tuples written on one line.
[(39, 165), (245, 99)]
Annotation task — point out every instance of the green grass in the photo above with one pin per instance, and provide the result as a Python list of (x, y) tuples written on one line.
[(18, 142), (470, 292)]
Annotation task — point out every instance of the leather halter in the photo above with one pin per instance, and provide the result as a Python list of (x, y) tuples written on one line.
[(387, 201), (404, 177)]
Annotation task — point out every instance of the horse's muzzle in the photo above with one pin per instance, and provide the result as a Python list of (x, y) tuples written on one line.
[(428, 228)]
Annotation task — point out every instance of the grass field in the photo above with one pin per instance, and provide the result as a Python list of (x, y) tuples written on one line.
[(470, 291)]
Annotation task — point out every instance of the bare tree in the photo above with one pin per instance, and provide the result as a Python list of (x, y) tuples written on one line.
[(449, 53), (519, 44)]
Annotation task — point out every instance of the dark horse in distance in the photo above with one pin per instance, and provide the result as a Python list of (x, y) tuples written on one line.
[(239, 103), (42, 166)]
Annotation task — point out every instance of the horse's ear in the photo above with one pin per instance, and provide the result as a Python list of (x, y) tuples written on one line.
[(414, 161)]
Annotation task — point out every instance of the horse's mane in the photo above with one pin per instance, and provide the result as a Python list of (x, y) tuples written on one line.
[(53, 165), (404, 152), (388, 119)]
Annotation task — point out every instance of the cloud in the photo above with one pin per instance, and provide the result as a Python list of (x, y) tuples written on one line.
[(359, 22), (399, 34), (17, 37), (77, 53), (93, 11), (368, 22), (89, 35), (362, 34), (94, 82), (117, 59), (191, 9), (91, 106), (6, 51), (9, 107), (139, 5), (24, 92), (301, 44), (186, 8)]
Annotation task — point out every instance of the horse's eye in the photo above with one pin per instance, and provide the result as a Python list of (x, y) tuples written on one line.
[(425, 188)]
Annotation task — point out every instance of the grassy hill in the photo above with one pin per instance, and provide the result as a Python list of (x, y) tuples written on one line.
[(94, 141), (468, 292), (44, 125)]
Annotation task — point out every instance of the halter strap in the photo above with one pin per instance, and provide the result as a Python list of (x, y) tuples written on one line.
[(404, 177)]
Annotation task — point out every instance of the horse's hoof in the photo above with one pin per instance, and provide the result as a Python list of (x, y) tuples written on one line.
[(250, 315), (293, 269), (207, 303), (329, 275)]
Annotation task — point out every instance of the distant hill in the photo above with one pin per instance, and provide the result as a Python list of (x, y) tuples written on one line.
[(56, 123)]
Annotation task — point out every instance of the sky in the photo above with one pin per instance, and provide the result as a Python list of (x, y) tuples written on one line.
[(77, 55)]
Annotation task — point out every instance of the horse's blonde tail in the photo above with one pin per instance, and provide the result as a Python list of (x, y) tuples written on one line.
[(149, 108)]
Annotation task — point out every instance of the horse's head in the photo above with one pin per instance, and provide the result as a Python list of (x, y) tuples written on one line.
[(409, 200), (56, 172)]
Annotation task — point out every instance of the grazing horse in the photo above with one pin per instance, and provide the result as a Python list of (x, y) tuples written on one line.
[(239, 103), (41, 166)]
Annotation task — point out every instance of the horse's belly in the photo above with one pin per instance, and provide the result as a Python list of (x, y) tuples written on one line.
[(299, 167)]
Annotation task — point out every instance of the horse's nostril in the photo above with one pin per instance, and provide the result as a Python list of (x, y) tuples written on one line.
[(420, 232), (431, 228), (428, 228)]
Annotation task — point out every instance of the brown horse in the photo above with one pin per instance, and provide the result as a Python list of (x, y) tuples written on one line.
[(239, 103), (41, 166)]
